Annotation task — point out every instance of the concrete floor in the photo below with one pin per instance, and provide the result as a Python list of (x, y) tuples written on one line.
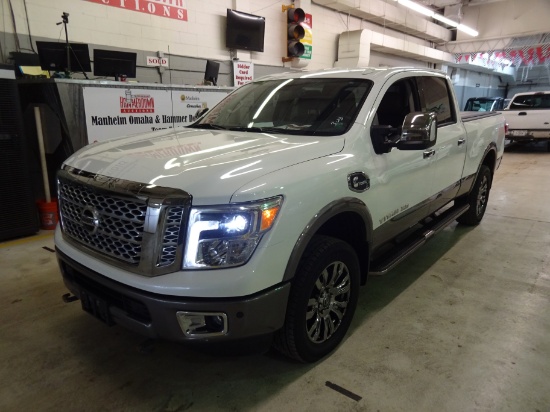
[(462, 325)]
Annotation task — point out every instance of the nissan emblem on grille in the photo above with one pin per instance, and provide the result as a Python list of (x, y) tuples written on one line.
[(90, 219)]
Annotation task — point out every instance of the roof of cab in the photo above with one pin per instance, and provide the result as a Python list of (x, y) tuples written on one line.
[(532, 93), (371, 73)]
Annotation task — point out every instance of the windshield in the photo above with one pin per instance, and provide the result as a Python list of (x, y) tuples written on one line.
[(531, 102), (290, 106), (482, 105)]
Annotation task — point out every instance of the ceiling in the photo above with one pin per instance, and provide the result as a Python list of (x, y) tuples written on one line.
[(526, 71), (440, 4)]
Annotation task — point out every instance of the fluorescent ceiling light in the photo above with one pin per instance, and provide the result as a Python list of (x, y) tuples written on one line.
[(445, 20), (430, 13), (467, 30), (416, 7)]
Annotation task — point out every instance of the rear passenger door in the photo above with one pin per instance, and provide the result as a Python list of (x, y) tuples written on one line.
[(449, 152)]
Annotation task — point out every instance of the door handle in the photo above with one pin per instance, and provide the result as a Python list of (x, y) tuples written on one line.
[(461, 141), (428, 153), (522, 114)]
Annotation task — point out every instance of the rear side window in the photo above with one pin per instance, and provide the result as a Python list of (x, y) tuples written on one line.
[(531, 102), (435, 97)]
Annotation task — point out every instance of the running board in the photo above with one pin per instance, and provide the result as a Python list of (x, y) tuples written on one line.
[(396, 256)]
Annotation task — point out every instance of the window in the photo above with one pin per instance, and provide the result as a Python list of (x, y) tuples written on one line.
[(436, 97), (398, 101), (531, 102)]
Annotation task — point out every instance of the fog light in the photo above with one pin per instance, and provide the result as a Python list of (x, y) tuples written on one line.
[(202, 324)]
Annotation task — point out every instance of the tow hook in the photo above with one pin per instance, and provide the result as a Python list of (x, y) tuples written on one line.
[(68, 298)]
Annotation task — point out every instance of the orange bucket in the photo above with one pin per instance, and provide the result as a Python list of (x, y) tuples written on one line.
[(48, 214)]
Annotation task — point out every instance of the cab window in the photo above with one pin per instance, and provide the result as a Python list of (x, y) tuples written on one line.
[(398, 101), (436, 97)]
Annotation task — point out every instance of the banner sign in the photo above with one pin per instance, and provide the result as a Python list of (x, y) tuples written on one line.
[(527, 55), (157, 61), (243, 72), (172, 9), (307, 41), (114, 112)]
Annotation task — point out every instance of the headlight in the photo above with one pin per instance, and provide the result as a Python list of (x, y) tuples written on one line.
[(228, 235)]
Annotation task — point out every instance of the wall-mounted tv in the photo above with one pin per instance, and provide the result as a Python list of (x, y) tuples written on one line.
[(244, 31)]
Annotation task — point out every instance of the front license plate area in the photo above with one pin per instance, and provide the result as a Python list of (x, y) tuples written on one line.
[(97, 307)]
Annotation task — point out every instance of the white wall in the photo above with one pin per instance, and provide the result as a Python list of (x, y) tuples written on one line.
[(202, 36)]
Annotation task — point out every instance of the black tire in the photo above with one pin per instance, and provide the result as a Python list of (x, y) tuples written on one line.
[(478, 198), (318, 316)]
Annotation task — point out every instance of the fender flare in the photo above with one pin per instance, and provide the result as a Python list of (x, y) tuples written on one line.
[(347, 204)]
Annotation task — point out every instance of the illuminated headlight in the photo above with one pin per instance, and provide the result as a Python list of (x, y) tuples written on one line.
[(227, 235)]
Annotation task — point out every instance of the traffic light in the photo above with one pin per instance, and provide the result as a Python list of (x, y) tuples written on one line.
[(296, 32)]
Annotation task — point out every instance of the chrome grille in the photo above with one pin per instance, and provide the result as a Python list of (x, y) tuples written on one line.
[(171, 237), (128, 224), (120, 222)]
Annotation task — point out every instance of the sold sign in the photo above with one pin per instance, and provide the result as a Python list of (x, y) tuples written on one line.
[(157, 61)]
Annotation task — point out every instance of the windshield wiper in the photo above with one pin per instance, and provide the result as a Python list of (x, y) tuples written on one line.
[(208, 126), (257, 129)]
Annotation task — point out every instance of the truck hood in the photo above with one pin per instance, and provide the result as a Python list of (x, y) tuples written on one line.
[(209, 165)]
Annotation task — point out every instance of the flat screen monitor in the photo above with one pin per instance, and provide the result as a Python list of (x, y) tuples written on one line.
[(53, 57), (25, 59), (244, 31), (115, 64), (211, 72)]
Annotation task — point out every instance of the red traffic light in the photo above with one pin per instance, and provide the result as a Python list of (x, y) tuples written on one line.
[(296, 15), (295, 32)]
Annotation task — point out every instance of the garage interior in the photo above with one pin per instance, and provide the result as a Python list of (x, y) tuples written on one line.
[(459, 325)]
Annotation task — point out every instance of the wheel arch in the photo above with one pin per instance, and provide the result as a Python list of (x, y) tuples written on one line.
[(490, 158), (347, 219)]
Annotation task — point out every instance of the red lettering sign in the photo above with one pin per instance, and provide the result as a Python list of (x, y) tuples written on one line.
[(172, 9), (137, 104)]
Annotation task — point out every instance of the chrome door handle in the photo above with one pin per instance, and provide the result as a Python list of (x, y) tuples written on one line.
[(461, 141), (428, 153)]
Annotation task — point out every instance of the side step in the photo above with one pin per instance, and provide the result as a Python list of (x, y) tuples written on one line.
[(401, 251)]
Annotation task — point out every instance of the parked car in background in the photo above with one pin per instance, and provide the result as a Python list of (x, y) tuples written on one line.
[(484, 104), (528, 117)]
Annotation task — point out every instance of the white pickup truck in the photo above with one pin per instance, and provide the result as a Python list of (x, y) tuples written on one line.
[(528, 117), (261, 220)]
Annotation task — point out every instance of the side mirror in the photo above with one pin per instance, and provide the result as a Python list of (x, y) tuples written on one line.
[(419, 131)]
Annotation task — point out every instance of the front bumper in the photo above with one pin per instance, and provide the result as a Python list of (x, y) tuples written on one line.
[(154, 315)]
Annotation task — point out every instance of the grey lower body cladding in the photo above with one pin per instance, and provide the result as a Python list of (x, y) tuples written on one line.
[(156, 316)]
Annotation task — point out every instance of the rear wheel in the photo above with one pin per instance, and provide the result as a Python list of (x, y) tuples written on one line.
[(478, 198), (322, 300)]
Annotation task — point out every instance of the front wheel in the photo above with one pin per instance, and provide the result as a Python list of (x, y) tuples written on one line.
[(322, 300), (478, 198)]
